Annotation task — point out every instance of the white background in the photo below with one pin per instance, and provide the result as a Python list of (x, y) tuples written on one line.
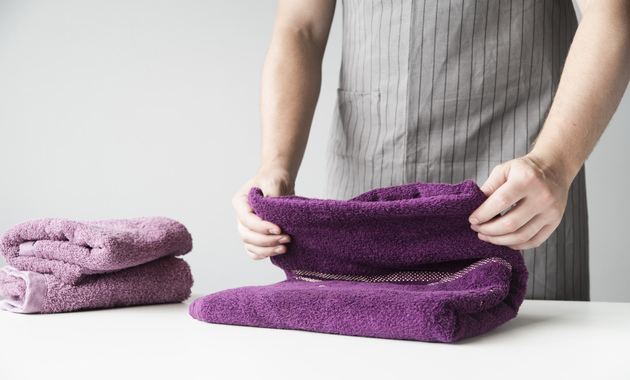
[(126, 108)]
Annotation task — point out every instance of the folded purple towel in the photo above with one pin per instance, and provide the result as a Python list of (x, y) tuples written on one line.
[(69, 249), (398, 262), (161, 281)]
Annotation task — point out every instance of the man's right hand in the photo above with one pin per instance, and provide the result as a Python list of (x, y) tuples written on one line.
[(289, 90), (262, 239)]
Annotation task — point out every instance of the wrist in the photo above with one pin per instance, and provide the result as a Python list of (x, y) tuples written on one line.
[(277, 170), (555, 165), (280, 166)]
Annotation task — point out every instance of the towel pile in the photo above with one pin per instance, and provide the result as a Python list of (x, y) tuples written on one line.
[(398, 262), (60, 265)]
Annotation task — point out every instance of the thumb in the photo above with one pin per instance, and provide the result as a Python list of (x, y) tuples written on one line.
[(497, 178)]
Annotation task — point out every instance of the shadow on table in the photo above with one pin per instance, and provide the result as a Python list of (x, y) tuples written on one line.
[(518, 323)]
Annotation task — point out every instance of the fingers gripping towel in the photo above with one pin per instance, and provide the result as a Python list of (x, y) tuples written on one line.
[(398, 262), (70, 250)]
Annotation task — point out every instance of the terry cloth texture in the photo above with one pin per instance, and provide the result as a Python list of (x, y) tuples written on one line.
[(164, 280), (443, 91), (70, 249), (59, 265), (399, 262)]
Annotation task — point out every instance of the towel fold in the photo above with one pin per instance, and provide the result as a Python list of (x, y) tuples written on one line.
[(71, 250), (160, 281), (398, 262)]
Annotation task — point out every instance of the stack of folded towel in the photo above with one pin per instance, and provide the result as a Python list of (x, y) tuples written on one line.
[(400, 262), (59, 265)]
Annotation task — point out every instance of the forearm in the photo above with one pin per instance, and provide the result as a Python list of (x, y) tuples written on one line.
[(593, 81), (290, 88)]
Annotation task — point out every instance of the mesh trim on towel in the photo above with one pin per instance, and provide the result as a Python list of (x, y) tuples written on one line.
[(399, 262)]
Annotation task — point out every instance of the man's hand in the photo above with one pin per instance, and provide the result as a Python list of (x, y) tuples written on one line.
[(289, 91), (539, 195), (262, 239)]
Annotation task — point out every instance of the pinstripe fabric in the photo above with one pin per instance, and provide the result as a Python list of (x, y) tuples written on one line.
[(443, 91)]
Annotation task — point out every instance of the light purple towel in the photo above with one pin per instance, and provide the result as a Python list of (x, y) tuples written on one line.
[(398, 262), (161, 281), (70, 249)]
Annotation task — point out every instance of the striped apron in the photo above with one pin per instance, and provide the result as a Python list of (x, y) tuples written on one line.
[(443, 91)]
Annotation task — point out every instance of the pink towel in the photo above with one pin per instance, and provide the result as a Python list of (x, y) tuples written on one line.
[(70, 250), (161, 281)]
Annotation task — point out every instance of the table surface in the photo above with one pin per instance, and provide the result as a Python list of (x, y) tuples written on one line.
[(576, 340)]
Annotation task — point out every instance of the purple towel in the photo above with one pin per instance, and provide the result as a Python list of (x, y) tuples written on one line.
[(398, 262), (161, 281), (70, 250)]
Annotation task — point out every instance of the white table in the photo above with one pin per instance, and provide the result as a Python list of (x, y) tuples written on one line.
[(549, 339)]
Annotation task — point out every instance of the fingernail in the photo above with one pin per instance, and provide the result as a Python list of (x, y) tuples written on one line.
[(284, 240), (482, 237), (279, 250), (473, 220), (274, 231), (474, 228)]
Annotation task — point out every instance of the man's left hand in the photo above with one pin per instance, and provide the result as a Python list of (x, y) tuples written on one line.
[(538, 195)]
